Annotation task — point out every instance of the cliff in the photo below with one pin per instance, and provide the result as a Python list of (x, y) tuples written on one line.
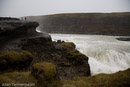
[(85, 23), (14, 26), (27, 57)]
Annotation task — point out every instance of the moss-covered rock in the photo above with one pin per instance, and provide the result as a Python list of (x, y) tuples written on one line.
[(15, 60), (119, 79), (74, 55), (77, 56), (68, 45), (17, 79), (45, 70), (72, 52)]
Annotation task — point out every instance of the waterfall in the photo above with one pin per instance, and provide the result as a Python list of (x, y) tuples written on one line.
[(106, 54)]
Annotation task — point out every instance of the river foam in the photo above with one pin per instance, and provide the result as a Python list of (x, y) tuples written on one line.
[(106, 54)]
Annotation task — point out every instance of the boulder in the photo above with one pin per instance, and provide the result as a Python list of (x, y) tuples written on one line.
[(44, 70), (13, 60), (46, 74)]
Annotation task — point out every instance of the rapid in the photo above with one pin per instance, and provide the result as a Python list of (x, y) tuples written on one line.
[(106, 54)]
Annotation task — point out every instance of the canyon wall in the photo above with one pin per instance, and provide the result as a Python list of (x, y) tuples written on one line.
[(85, 23)]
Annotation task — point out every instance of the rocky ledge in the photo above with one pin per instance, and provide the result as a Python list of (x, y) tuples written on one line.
[(16, 27), (12, 29), (26, 54)]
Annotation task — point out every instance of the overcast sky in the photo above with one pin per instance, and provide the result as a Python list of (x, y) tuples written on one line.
[(19, 8)]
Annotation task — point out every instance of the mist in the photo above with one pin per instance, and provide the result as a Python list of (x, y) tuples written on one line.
[(19, 8)]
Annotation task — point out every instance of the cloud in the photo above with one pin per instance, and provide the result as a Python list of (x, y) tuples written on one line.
[(19, 8)]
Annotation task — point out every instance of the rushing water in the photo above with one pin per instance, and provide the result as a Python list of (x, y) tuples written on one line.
[(106, 54)]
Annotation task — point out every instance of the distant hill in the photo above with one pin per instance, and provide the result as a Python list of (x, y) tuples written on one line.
[(85, 23)]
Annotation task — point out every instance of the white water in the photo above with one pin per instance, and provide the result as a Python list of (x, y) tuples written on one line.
[(106, 54)]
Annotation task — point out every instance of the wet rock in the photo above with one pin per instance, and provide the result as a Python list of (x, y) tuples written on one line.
[(123, 39), (58, 41)]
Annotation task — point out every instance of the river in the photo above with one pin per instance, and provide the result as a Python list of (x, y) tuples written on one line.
[(106, 54)]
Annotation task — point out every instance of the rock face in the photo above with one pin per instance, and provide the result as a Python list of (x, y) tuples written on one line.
[(12, 29), (85, 23), (69, 62), (21, 36), (17, 27)]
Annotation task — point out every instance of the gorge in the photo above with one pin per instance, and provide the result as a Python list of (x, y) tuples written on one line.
[(82, 28), (58, 60)]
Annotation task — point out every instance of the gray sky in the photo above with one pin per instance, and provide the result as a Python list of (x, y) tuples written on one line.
[(18, 8)]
